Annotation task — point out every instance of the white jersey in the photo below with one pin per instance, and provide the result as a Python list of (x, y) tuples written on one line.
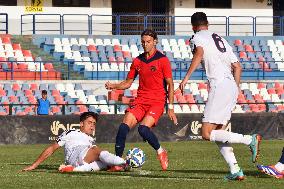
[(218, 55), (75, 144)]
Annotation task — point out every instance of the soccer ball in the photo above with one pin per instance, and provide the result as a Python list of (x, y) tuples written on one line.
[(135, 157)]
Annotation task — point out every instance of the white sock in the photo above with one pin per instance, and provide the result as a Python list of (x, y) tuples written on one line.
[(94, 166), (160, 150), (111, 159), (279, 166), (229, 156), (229, 137)]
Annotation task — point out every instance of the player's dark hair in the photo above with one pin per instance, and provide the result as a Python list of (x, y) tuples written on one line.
[(199, 19), (43, 92), (151, 33), (86, 115)]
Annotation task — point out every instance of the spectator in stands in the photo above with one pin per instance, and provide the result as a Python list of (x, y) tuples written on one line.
[(43, 104), (81, 153), (276, 170), (219, 62), (154, 70)]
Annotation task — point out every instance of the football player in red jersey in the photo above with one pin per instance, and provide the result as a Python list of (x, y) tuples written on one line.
[(155, 85)]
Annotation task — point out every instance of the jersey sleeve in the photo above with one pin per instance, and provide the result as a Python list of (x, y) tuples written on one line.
[(197, 41), (133, 72), (166, 67), (233, 57), (61, 140)]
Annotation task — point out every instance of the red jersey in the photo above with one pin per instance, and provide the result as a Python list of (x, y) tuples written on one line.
[(152, 72)]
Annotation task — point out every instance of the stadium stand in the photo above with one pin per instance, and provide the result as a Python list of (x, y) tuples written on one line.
[(17, 63), (109, 57), (75, 98)]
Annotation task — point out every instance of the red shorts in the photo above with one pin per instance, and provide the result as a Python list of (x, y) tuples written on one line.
[(140, 110)]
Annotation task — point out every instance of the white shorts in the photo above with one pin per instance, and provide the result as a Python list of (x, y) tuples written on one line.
[(77, 156), (222, 100)]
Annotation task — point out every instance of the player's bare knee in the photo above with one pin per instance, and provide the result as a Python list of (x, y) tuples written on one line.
[(206, 135)]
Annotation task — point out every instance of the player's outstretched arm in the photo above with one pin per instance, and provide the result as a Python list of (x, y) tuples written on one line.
[(122, 85), (196, 60), (171, 112), (43, 156)]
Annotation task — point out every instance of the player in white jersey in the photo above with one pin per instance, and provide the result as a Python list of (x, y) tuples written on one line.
[(81, 153), (219, 62)]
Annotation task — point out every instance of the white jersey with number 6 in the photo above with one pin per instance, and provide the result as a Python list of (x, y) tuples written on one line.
[(218, 55)]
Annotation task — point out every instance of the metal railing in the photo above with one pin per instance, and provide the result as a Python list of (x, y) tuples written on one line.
[(93, 70), (4, 23), (129, 24), (91, 107)]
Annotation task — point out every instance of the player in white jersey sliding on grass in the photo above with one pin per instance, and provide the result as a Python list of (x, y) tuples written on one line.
[(219, 62), (81, 154)]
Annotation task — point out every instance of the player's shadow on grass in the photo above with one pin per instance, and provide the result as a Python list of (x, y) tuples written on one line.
[(135, 174), (40, 168), (201, 171), (247, 173)]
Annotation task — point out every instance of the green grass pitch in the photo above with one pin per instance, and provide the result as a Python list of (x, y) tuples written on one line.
[(192, 164)]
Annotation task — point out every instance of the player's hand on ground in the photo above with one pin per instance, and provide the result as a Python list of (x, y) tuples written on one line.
[(172, 116), (109, 85), (29, 168)]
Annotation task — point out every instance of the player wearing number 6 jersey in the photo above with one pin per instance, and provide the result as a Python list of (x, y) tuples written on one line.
[(219, 62)]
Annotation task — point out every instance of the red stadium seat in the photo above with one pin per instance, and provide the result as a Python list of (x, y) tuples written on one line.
[(243, 55), (2, 92), (238, 42), (260, 85), (22, 67), (116, 48), (4, 59), (126, 54), (33, 86), (6, 40), (13, 99), (16, 46), (49, 66), (16, 87), (264, 66), (278, 85), (202, 86), (248, 48), (28, 92), (15, 66), (189, 98), (3, 113), (271, 91), (27, 53), (262, 107), (55, 109), (55, 93), (187, 42), (92, 48), (261, 59)]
